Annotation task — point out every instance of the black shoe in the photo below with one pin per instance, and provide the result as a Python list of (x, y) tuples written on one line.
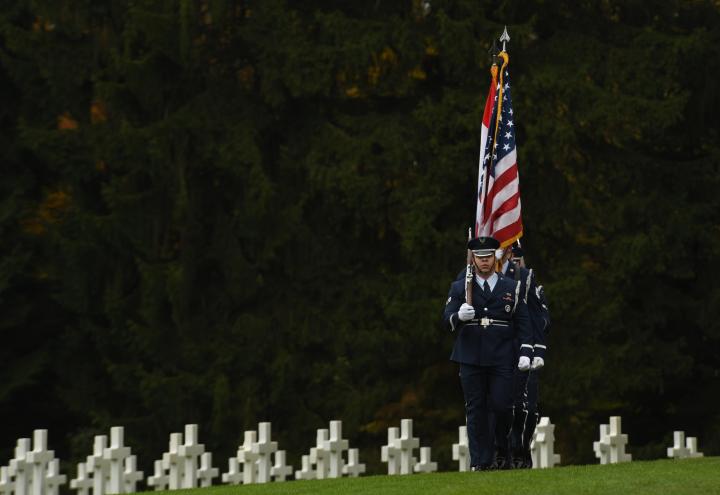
[(480, 468), (503, 463), (518, 462)]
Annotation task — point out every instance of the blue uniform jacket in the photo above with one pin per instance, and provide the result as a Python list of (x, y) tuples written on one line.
[(537, 307), (495, 343)]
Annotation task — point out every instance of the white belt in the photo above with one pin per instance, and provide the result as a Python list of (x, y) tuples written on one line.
[(486, 322)]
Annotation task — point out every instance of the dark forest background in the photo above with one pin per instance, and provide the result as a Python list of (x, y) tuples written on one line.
[(226, 211)]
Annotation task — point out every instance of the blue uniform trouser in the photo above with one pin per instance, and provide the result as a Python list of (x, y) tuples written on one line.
[(533, 391), (487, 389), (520, 406)]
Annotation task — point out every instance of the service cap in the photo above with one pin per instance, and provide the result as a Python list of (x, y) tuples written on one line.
[(517, 251), (483, 246)]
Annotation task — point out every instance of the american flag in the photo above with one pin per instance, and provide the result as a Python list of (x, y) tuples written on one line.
[(498, 206)]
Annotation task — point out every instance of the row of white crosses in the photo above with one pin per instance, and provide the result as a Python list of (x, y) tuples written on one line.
[(33, 470), (255, 456), (325, 459), (610, 448), (398, 453), (683, 448), (111, 469), (184, 465), (542, 447)]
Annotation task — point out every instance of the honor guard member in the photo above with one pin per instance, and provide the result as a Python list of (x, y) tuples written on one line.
[(487, 333), (526, 383)]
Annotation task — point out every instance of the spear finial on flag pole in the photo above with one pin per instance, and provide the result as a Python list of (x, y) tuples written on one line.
[(505, 38), (494, 49)]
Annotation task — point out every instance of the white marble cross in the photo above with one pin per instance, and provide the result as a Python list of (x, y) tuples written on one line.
[(353, 468), (6, 487), (82, 482), (406, 444), (116, 455), (691, 444), (233, 476), (207, 472), (190, 451), (425, 465), (280, 469), (618, 441), (39, 458), (247, 458), (20, 469), (53, 478), (264, 448), (335, 447), (319, 456), (461, 450), (678, 450), (98, 466), (602, 446), (159, 479), (542, 447), (390, 453), (131, 475), (306, 472), (173, 462)]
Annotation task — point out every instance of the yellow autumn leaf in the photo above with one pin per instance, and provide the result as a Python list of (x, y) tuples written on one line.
[(65, 122), (98, 112), (418, 73), (373, 74), (388, 55)]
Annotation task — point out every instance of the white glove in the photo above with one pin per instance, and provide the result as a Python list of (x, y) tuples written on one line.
[(537, 363), (524, 363), (466, 312)]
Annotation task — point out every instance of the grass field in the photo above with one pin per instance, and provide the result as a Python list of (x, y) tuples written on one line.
[(689, 476)]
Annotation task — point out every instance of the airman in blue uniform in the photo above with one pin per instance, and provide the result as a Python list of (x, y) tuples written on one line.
[(526, 383), (493, 335)]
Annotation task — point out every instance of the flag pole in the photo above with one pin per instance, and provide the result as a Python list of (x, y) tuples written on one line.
[(469, 272)]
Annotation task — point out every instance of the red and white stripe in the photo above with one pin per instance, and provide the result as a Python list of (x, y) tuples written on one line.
[(482, 187), (498, 211)]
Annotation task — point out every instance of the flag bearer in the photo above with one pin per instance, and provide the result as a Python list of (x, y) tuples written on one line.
[(493, 335)]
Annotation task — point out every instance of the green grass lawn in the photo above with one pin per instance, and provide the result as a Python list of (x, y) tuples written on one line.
[(689, 476)]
